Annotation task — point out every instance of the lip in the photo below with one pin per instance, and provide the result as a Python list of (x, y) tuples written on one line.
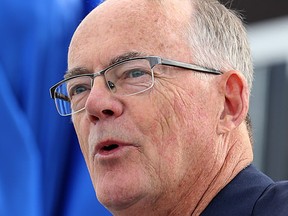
[(110, 148)]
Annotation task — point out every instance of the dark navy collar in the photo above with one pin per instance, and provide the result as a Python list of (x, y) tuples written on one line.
[(240, 195)]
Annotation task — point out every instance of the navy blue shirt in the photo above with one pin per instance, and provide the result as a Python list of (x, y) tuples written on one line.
[(250, 193)]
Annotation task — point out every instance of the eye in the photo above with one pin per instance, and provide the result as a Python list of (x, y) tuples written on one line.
[(78, 89), (135, 73)]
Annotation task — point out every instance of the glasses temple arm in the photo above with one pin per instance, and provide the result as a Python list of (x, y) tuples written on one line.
[(189, 66), (61, 96)]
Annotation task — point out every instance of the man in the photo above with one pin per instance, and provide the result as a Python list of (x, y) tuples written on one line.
[(159, 93)]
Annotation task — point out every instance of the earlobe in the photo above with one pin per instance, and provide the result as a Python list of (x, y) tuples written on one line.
[(235, 101)]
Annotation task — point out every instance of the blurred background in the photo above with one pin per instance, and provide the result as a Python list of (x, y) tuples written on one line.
[(42, 171), (267, 24)]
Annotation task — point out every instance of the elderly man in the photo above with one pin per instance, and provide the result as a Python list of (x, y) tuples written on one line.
[(159, 92)]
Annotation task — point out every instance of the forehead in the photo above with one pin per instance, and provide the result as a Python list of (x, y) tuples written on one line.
[(121, 26)]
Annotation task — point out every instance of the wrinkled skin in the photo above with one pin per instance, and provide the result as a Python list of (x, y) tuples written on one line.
[(172, 149)]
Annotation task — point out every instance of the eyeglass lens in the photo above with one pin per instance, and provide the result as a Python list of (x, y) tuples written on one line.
[(127, 78)]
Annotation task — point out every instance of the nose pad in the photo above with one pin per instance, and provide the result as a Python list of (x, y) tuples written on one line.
[(111, 86)]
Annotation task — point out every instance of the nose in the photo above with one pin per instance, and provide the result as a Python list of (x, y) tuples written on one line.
[(102, 103)]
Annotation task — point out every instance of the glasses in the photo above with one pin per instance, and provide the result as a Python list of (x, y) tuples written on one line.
[(128, 77)]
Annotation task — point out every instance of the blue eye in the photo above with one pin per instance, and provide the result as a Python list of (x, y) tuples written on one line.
[(135, 73), (78, 89)]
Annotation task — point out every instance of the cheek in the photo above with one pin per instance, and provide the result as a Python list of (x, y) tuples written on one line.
[(168, 123), (175, 112), (156, 117), (182, 123)]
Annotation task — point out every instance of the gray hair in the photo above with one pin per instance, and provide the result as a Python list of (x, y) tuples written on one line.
[(218, 39)]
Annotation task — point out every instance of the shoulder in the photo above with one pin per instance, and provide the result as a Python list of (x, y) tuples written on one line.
[(273, 201), (238, 198)]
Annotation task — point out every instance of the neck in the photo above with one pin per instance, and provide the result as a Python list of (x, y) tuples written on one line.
[(238, 156), (235, 154)]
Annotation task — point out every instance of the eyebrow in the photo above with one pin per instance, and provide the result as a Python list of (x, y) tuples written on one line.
[(82, 70), (76, 71), (125, 56)]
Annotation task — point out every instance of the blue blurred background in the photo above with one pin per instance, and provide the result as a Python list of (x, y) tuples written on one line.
[(42, 171)]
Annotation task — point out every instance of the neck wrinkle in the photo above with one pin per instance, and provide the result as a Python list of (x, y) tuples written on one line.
[(238, 157)]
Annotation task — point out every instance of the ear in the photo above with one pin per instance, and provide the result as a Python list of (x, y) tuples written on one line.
[(236, 101)]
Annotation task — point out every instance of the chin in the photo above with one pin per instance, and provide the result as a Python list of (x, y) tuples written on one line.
[(117, 198), (120, 190)]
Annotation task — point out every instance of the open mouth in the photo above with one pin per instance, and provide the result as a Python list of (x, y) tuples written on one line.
[(111, 148), (108, 148)]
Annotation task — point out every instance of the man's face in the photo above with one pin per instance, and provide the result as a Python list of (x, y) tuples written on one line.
[(143, 148)]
